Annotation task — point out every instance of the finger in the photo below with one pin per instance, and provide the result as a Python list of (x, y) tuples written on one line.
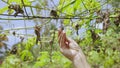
[(61, 38), (66, 41), (62, 41), (59, 35), (59, 32)]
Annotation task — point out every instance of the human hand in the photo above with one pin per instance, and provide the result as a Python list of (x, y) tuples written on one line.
[(71, 50), (68, 46)]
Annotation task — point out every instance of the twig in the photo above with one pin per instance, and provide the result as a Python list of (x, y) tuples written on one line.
[(84, 5), (14, 19), (91, 9), (32, 11), (24, 8), (68, 4), (34, 7), (53, 3), (5, 2), (24, 27)]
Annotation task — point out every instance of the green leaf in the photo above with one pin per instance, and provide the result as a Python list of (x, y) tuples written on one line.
[(43, 59), (14, 1), (77, 5), (29, 44), (66, 22), (2, 10), (109, 62), (93, 4), (67, 3), (26, 2), (26, 53)]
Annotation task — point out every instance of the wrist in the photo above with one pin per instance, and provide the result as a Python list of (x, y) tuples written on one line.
[(80, 61)]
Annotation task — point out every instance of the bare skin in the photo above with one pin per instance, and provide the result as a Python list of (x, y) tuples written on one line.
[(71, 50)]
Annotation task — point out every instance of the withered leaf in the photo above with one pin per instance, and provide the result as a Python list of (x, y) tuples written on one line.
[(14, 33), (16, 8), (37, 33), (14, 50), (94, 36), (53, 13)]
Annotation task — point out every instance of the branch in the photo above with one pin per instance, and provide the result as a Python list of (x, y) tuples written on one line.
[(13, 19), (32, 17)]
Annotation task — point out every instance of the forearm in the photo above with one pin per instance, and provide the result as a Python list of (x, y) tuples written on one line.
[(80, 61)]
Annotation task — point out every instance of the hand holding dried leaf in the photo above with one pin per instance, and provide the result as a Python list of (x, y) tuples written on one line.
[(70, 49)]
